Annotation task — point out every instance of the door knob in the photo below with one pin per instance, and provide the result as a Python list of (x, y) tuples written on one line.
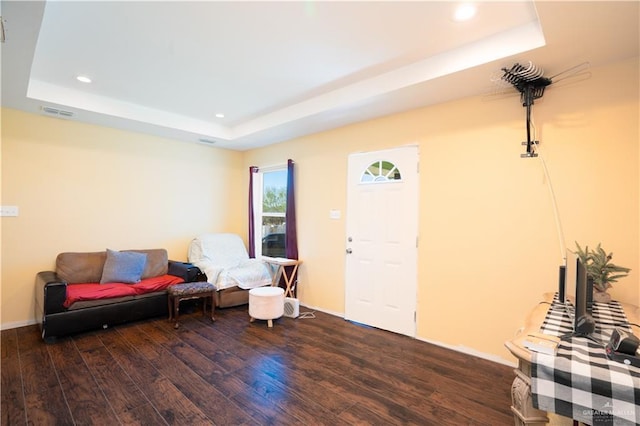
[(349, 251)]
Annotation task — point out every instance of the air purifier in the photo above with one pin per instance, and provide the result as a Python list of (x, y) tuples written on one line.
[(291, 307)]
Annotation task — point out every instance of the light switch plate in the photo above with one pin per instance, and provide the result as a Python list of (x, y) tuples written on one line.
[(334, 214), (9, 211)]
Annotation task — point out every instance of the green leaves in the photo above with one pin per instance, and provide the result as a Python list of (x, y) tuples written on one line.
[(599, 266), (274, 199)]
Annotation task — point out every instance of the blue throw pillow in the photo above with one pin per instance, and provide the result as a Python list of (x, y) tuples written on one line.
[(123, 267)]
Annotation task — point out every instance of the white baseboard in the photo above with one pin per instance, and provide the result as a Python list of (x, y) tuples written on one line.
[(471, 351), (16, 324), (313, 308)]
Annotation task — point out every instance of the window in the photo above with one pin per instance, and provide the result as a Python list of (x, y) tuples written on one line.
[(380, 171), (270, 208)]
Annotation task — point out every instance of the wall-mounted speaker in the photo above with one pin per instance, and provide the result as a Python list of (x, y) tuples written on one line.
[(291, 307)]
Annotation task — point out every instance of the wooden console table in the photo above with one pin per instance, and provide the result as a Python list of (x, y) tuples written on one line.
[(521, 397), (280, 263)]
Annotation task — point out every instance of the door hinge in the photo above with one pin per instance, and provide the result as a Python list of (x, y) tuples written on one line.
[(417, 241), (414, 316)]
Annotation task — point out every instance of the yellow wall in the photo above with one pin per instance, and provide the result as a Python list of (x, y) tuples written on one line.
[(488, 241), (489, 244), (81, 187)]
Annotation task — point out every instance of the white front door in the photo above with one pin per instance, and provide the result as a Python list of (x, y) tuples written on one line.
[(382, 233)]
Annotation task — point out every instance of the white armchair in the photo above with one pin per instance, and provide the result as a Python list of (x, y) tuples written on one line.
[(224, 259)]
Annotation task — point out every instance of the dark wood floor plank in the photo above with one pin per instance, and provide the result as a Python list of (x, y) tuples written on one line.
[(262, 411), (479, 412), (141, 371), (302, 371), (184, 378), (170, 403), (205, 356), (29, 339), (45, 402), (367, 380), (396, 367), (375, 348), (126, 399), (87, 403), (12, 398), (12, 405), (380, 401), (231, 339), (358, 415), (272, 385), (297, 379), (367, 377), (142, 415), (8, 343), (297, 370), (234, 356), (399, 388), (175, 407), (268, 347)]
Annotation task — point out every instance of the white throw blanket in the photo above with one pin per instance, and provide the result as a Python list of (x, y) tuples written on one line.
[(224, 258)]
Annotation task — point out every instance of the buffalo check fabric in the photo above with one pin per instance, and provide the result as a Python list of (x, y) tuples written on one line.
[(580, 381)]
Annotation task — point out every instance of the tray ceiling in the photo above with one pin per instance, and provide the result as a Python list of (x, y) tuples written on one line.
[(280, 70)]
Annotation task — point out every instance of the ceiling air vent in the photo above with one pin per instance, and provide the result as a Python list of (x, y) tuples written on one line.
[(206, 141), (57, 112)]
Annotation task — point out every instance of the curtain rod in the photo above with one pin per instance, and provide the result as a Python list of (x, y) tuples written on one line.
[(272, 167)]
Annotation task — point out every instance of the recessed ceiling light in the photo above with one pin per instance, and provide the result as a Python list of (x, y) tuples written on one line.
[(220, 115), (83, 79), (464, 12)]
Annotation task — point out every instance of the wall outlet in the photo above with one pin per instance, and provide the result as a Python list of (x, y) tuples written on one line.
[(9, 211)]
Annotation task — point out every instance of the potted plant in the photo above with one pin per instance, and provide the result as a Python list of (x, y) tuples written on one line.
[(600, 270)]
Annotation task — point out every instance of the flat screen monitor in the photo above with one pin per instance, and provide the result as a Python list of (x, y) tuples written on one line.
[(561, 283), (570, 278), (577, 297)]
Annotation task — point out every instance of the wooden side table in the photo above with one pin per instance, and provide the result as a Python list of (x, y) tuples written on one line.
[(280, 263), (186, 291)]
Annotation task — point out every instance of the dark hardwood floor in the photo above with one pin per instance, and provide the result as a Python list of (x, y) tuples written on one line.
[(302, 371)]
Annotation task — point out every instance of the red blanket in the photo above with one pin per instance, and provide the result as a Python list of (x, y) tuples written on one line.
[(94, 291)]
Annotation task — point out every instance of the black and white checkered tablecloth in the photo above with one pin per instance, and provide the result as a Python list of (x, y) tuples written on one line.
[(580, 382)]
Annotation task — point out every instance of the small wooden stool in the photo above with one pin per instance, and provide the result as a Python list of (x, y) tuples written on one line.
[(186, 291), (266, 303)]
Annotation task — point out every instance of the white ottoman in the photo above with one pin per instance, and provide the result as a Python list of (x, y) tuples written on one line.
[(266, 303)]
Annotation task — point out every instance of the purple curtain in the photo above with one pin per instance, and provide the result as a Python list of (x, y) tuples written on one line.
[(291, 244), (252, 232)]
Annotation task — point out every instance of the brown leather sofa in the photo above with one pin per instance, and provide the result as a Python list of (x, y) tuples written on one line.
[(58, 316)]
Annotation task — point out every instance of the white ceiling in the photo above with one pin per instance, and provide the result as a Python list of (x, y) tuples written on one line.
[(279, 70)]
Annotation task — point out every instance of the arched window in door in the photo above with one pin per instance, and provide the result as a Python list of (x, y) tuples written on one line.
[(380, 171)]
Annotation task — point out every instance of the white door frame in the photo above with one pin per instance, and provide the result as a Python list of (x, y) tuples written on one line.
[(381, 241)]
